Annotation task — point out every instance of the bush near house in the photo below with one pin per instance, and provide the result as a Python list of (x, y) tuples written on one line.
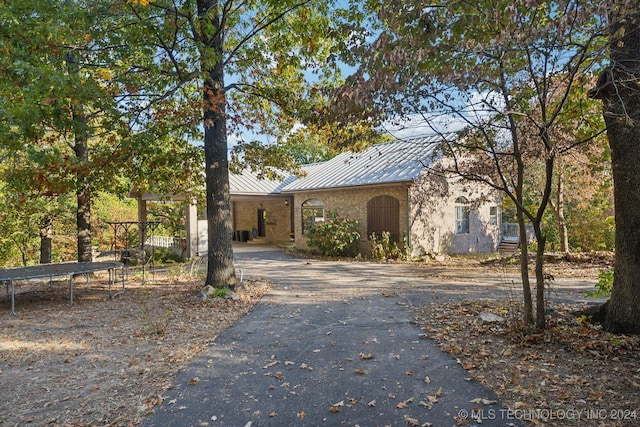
[(335, 236), (384, 248)]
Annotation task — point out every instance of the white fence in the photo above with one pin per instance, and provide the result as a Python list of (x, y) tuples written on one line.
[(176, 243)]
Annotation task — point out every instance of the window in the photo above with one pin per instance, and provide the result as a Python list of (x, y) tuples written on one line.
[(493, 215), (462, 216), (312, 214), (383, 214)]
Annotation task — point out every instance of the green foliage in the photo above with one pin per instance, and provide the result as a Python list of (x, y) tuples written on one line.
[(604, 287), (221, 292), (165, 256), (335, 236), (385, 248)]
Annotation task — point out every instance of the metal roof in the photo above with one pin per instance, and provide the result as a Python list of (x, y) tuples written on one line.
[(248, 183), (391, 162)]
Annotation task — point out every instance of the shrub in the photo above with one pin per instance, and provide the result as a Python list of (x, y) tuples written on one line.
[(604, 285), (164, 256), (335, 236), (385, 248)]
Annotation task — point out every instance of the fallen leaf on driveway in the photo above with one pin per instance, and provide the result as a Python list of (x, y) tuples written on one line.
[(484, 401), (360, 371), (366, 356), (424, 404), (404, 403), (411, 421)]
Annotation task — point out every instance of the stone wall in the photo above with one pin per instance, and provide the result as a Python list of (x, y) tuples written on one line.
[(278, 217), (433, 217), (427, 214), (351, 203)]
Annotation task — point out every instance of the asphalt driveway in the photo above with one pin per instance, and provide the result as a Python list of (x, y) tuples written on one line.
[(334, 344)]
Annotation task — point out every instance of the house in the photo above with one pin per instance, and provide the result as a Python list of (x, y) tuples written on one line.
[(388, 187)]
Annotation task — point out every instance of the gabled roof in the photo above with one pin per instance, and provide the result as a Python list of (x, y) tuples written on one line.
[(391, 162)]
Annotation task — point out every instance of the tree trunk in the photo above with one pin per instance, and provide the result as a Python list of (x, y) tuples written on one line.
[(618, 89), (524, 269), (540, 278), (83, 221), (83, 190), (558, 211), (221, 269), (46, 242), (520, 211)]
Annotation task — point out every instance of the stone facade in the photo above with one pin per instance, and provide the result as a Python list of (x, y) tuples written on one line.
[(277, 217), (433, 217), (427, 213), (352, 203)]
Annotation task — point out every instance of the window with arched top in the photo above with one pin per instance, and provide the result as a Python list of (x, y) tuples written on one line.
[(383, 214), (462, 215), (312, 214)]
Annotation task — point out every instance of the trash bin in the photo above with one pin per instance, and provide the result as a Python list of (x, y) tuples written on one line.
[(244, 235)]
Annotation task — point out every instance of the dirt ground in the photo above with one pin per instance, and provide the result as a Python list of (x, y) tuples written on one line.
[(108, 362), (572, 373), (104, 362)]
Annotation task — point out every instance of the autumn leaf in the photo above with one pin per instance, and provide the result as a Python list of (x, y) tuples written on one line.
[(411, 421), (404, 403), (301, 415), (483, 400), (360, 371), (334, 409), (366, 356), (424, 404)]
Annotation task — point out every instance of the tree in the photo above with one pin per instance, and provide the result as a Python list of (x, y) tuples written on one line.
[(618, 88), (577, 178), (69, 88), (498, 68), (267, 49), (61, 104)]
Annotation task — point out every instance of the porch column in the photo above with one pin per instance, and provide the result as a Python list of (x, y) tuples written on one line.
[(142, 218), (192, 229)]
